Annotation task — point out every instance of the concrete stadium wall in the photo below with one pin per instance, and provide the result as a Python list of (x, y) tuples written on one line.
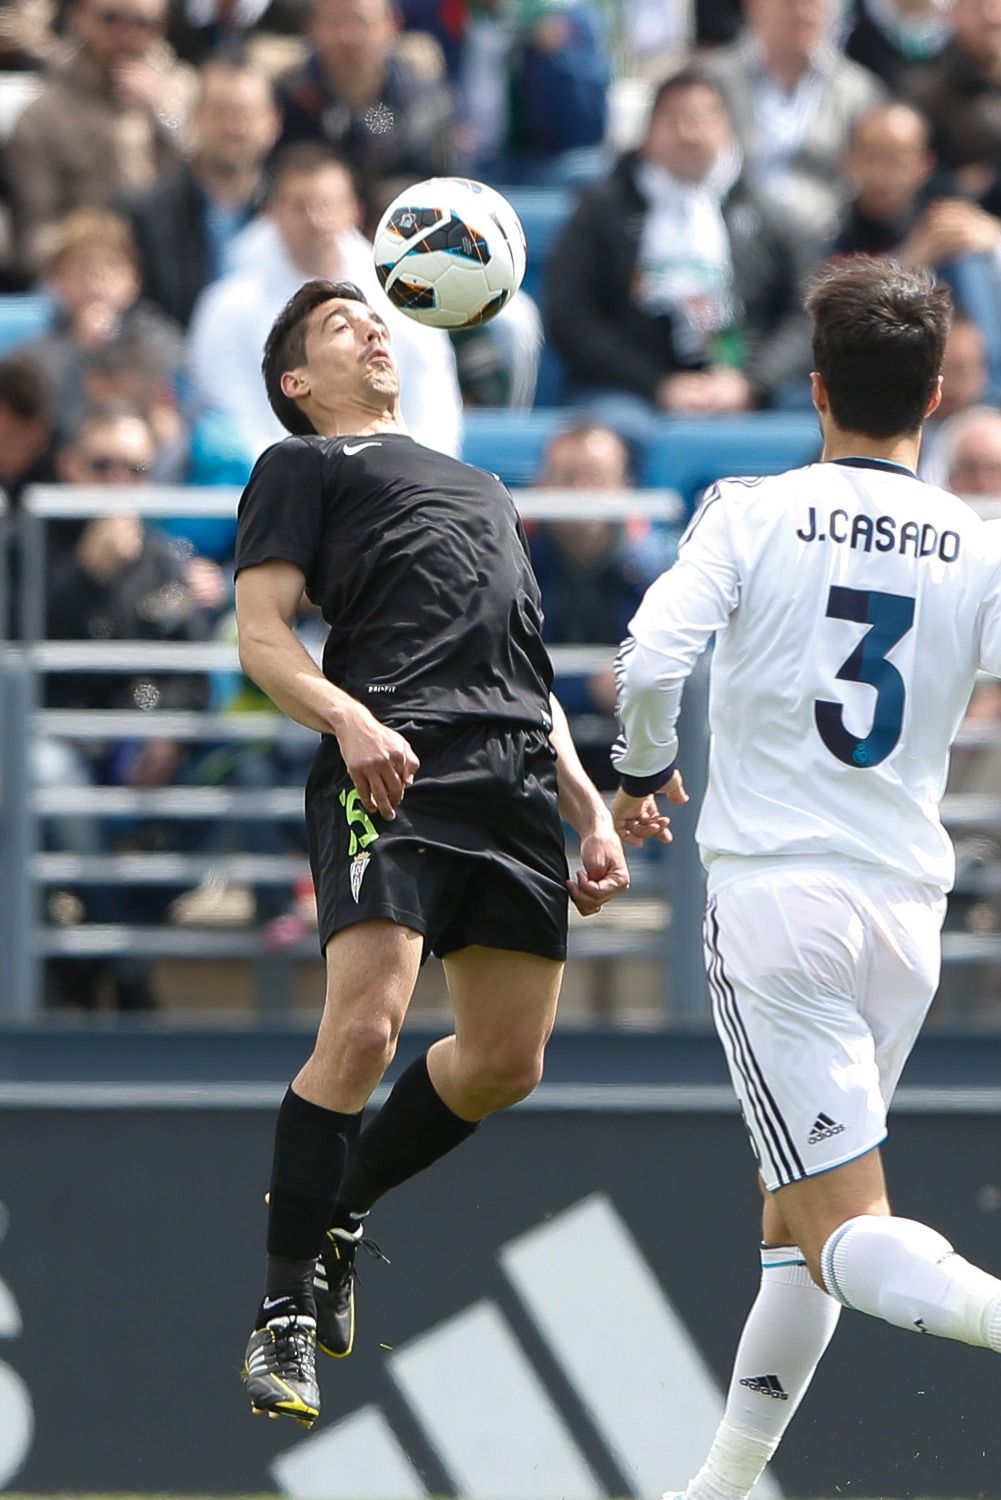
[(558, 1319)]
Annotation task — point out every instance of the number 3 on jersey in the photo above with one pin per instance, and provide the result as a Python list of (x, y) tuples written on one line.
[(889, 618)]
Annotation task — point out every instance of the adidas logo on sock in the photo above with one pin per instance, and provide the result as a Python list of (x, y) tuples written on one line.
[(766, 1385), (823, 1128)]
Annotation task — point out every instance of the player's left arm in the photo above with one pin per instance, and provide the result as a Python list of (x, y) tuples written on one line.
[(679, 614), (603, 873)]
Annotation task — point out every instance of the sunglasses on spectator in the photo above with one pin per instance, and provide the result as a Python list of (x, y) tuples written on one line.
[(102, 464), (129, 18)]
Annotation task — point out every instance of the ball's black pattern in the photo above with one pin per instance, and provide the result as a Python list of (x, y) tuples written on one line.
[(454, 238), (489, 309), (406, 293)]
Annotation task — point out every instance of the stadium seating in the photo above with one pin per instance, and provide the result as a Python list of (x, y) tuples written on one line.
[(685, 455), (508, 443), (23, 317), (542, 212)]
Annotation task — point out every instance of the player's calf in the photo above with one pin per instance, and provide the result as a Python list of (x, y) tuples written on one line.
[(909, 1275)]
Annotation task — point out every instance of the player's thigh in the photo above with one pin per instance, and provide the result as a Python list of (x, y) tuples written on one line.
[(372, 969), (504, 1001), (903, 971), (785, 954)]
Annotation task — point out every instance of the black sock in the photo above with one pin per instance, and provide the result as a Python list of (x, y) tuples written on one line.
[(289, 1289), (412, 1129), (311, 1150)]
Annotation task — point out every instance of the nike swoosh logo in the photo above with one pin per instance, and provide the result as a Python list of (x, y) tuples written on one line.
[(272, 1302), (352, 448)]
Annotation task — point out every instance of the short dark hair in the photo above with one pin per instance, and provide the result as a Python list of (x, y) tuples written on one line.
[(304, 159), (692, 77), (286, 346), (25, 389), (879, 335), (234, 60)]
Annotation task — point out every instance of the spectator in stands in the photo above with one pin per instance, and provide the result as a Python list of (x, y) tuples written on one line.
[(959, 94), (964, 384), (27, 41), (92, 271), (357, 92), (893, 37), (107, 122), (793, 98), (120, 581), (889, 166), (970, 449), (672, 288), (310, 231), (964, 368), (593, 575), (130, 369), (533, 84), (26, 426), (200, 29), (27, 435), (186, 222)]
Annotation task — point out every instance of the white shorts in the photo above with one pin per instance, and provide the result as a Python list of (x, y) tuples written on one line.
[(820, 977)]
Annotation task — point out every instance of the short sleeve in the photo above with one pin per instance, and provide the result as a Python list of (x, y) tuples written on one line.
[(280, 515)]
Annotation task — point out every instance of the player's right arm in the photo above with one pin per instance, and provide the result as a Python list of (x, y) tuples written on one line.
[(379, 761), (680, 612)]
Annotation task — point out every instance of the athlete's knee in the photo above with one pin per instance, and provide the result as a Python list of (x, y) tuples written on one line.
[(365, 1045), (502, 1079)]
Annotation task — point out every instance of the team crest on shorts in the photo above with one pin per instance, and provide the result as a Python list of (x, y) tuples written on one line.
[(358, 867)]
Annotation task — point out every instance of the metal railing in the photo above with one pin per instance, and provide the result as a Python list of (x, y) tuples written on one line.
[(660, 918)]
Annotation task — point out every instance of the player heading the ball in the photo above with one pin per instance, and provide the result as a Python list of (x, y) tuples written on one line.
[(433, 806)]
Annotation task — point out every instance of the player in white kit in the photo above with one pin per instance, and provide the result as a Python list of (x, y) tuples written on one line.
[(852, 606)]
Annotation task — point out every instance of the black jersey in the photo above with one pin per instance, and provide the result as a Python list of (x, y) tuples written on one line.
[(420, 566)]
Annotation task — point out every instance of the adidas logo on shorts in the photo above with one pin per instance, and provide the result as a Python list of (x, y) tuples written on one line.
[(823, 1128), (766, 1385)]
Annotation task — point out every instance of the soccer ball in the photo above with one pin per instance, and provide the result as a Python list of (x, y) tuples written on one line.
[(450, 252)]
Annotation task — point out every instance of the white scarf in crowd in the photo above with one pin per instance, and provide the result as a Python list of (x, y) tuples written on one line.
[(685, 268)]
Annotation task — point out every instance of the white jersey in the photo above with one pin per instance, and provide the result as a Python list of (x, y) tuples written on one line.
[(854, 605)]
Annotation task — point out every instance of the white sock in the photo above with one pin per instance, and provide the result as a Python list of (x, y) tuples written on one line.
[(909, 1275), (787, 1330)]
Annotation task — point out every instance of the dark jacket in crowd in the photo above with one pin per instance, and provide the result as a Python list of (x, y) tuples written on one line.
[(876, 50), (224, 31), (963, 105), (861, 235), (409, 131), (174, 245), (606, 339), (148, 601)]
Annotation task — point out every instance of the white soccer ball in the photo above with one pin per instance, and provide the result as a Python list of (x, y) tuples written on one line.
[(450, 252)]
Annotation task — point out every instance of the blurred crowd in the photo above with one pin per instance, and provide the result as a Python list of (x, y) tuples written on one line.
[(171, 170)]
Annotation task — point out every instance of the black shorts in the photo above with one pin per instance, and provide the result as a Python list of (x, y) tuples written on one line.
[(474, 855)]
